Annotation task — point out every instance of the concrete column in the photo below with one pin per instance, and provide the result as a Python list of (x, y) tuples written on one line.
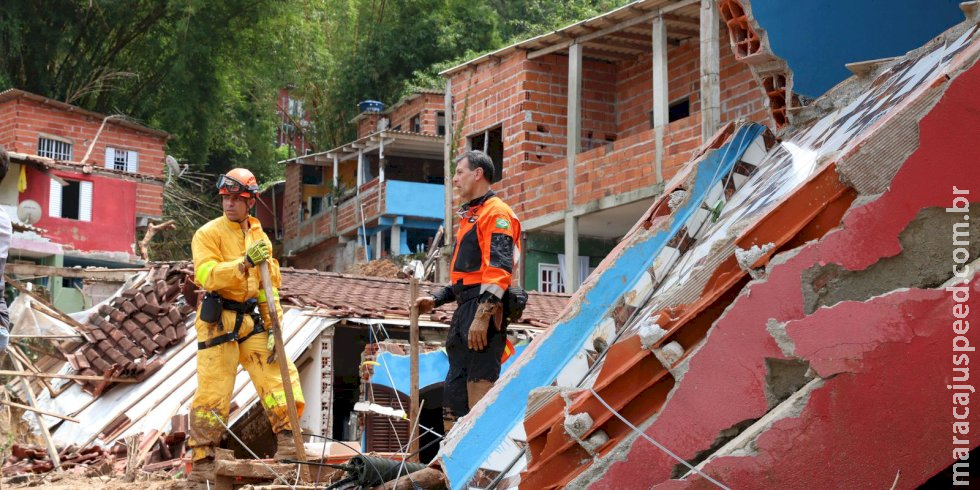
[(379, 245), (660, 101), (381, 160), (396, 239), (710, 79), (573, 145), (336, 170), (571, 252), (360, 168)]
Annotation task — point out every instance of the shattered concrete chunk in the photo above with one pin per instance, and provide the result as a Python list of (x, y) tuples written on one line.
[(746, 258), (650, 333), (778, 332), (576, 425), (677, 199), (595, 441), (670, 353)]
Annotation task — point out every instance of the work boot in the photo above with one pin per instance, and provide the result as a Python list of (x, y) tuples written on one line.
[(202, 471), (285, 446)]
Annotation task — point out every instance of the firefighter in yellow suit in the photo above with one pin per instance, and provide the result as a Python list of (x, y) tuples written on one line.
[(232, 324)]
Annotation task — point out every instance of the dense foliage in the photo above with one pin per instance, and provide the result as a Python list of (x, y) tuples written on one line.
[(208, 71)]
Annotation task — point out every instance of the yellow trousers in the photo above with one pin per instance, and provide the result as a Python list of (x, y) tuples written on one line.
[(216, 370)]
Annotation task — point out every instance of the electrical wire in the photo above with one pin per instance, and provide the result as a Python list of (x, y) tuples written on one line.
[(655, 443)]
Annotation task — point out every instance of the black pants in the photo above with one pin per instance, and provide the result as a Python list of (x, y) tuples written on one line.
[(469, 365)]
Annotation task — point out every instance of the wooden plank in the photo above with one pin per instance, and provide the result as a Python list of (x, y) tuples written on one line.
[(413, 414), (95, 273), (75, 377), (29, 392), (710, 71), (40, 411), (280, 346)]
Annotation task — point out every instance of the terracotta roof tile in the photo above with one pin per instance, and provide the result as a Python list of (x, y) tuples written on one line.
[(344, 295)]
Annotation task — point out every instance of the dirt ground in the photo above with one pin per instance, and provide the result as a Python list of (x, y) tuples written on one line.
[(69, 481)]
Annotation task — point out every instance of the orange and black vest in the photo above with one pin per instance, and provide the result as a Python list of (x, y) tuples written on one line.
[(487, 245)]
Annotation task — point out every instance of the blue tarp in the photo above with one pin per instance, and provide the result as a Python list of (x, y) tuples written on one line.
[(433, 367)]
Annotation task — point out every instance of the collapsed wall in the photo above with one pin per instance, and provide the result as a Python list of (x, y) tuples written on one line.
[(781, 332)]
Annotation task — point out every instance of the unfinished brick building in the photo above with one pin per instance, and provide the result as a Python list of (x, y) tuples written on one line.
[(640, 88), (379, 195)]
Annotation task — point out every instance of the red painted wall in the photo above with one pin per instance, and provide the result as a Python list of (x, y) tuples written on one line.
[(23, 120), (112, 229)]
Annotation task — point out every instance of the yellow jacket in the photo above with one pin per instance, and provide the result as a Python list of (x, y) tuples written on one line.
[(219, 263)]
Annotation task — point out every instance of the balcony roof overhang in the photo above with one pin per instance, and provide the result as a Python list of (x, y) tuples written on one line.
[(396, 143), (618, 35)]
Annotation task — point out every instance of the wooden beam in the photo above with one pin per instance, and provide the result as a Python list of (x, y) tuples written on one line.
[(640, 19), (710, 70), (40, 411), (660, 91), (606, 56), (642, 40), (605, 45), (96, 274), (682, 20)]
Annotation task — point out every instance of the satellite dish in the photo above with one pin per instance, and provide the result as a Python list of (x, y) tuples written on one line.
[(173, 165), (29, 211)]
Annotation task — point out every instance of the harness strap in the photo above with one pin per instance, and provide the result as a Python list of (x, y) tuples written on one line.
[(240, 311)]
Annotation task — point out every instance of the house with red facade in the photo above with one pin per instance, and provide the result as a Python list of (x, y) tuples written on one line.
[(84, 182), (588, 123), (380, 195)]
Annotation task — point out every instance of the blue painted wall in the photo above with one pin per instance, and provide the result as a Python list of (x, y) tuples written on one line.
[(817, 37), (414, 199)]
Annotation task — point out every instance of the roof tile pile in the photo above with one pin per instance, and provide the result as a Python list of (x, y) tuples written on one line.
[(132, 328)]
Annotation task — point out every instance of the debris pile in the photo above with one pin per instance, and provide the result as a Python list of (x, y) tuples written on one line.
[(91, 461)]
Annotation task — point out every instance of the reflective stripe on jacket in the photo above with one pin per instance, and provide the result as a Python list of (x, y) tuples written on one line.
[(487, 245)]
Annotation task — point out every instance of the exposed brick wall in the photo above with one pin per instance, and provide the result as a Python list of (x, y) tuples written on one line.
[(426, 105), (30, 119), (368, 124), (528, 98), (290, 214), (8, 122), (320, 257), (348, 216)]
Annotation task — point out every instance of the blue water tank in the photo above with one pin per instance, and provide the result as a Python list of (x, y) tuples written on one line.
[(371, 106)]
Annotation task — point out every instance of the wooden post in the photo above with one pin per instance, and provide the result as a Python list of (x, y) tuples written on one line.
[(276, 331), (573, 145), (710, 79), (447, 182), (413, 336), (660, 100), (29, 392)]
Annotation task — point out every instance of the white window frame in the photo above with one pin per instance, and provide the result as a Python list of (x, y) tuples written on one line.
[(54, 148), (55, 197), (122, 160), (554, 285)]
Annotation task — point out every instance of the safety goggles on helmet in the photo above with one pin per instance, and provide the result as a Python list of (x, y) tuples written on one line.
[(228, 185)]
